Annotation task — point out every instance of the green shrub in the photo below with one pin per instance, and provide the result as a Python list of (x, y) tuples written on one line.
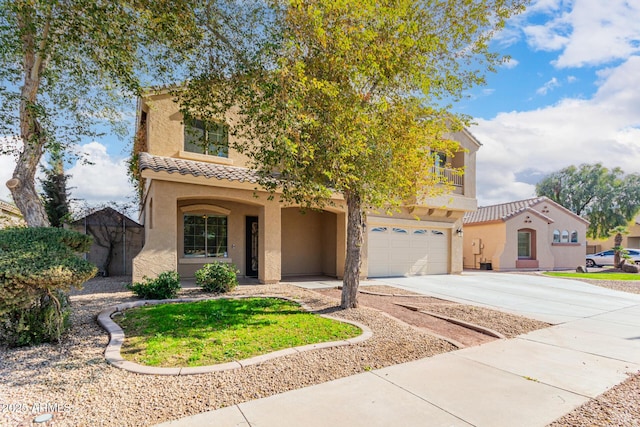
[(217, 277), (38, 266), (165, 286), (45, 321)]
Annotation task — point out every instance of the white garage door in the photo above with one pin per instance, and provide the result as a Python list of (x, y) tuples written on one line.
[(405, 251)]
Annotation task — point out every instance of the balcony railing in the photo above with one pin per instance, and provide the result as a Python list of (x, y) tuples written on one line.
[(450, 175)]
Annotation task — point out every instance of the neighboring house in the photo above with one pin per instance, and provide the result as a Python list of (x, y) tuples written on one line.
[(10, 215), (201, 204), (532, 234), (116, 240), (630, 240)]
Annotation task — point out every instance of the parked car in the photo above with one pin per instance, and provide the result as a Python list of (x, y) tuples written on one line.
[(606, 257)]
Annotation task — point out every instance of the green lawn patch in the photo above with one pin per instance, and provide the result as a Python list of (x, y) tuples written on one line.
[(597, 276), (216, 331)]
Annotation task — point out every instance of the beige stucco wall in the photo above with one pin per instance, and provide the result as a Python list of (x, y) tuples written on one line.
[(165, 132), (491, 240), (160, 252), (308, 242)]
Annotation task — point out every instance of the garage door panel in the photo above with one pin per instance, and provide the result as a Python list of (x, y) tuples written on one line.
[(400, 251)]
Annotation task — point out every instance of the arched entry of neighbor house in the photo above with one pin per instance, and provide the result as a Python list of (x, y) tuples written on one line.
[(309, 242), (527, 248)]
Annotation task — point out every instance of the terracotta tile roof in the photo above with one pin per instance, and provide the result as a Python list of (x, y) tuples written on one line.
[(195, 168), (503, 211)]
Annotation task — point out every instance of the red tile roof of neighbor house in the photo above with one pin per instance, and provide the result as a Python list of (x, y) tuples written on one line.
[(504, 211), (10, 208), (195, 168)]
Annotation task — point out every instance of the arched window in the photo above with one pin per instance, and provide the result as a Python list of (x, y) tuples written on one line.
[(524, 244), (565, 236), (574, 236), (556, 236)]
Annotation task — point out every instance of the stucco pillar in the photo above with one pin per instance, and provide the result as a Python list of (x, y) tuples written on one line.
[(160, 249), (456, 248), (270, 243), (341, 243)]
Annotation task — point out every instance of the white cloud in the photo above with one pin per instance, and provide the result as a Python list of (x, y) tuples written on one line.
[(572, 79), (605, 128), (102, 181), (510, 63), (550, 85), (592, 32)]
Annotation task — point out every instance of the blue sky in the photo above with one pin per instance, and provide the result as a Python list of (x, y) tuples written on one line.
[(569, 95)]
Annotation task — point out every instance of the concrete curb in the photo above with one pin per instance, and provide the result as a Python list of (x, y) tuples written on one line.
[(116, 339)]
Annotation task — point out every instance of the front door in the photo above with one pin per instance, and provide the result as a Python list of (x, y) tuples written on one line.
[(251, 244)]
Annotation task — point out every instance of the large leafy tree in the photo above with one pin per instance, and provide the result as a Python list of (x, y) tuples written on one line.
[(67, 66), (349, 97), (606, 197)]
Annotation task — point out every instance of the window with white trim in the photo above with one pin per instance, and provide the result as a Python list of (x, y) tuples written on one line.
[(205, 235), (556, 236), (565, 236)]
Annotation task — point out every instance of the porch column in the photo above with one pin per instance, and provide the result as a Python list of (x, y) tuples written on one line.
[(160, 251), (341, 243), (269, 243)]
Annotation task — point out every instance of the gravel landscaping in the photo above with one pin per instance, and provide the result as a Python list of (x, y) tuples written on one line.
[(632, 286), (73, 381)]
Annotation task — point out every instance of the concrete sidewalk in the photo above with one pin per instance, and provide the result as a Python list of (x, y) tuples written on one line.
[(530, 380)]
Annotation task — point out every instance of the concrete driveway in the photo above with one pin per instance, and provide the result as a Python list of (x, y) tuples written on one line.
[(544, 298)]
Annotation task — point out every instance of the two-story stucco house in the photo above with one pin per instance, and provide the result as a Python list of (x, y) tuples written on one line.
[(200, 203)]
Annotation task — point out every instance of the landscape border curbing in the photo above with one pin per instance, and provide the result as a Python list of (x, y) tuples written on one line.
[(482, 329), (116, 339)]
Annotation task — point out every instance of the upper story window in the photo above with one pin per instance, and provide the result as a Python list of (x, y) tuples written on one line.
[(206, 137), (440, 160), (556, 236)]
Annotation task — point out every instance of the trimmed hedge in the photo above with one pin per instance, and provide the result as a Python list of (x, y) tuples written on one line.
[(38, 266), (217, 277)]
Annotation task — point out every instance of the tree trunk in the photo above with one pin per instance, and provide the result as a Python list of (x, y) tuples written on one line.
[(355, 240), (22, 184), (617, 248)]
